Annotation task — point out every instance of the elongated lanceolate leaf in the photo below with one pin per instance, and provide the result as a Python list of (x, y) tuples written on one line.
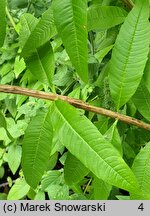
[(86, 143), (36, 148), (104, 17), (130, 54), (44, 30), (2, 21), (141, 169), (70, 17), (141, 100), (41, 63)]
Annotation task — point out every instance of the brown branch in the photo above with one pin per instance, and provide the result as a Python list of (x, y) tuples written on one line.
[(128, 3), (75, 102)]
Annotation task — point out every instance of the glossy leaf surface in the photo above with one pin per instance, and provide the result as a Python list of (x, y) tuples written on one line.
[(71, 21), (130, 54)]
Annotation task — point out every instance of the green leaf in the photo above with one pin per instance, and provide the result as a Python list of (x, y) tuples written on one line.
[(147, 73), (76, 196), (130, 54), (4, 136), (31, 194), (14, 157), (41, 63), (44, 30), (16, 129), (36, 148), (3, 121), (112, 135), (40, 58), (58, 192), (53, 160), (63, 76), (5, 69), (19, 66), (102, 124), (3, 124), (104, 17), (7, 78), (62, 159), (141, 169), (75, 93), (52, 177), (119, 197), (128, 151), (2, 21), (101, 189), (28, 23), (86, 143), (141, 100), (70, 17), (74, 170), (3, 196), (15, 4), (40, 196), (18, 190), (105, 38), (2, 172), (102, 53)]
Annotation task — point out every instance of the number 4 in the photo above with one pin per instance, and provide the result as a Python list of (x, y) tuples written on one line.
[(141, 207)]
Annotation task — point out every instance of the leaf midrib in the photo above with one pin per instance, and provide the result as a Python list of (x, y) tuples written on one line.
[(37, 146), (91, 148), (126, 62), (144, 171), (75, 34)]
